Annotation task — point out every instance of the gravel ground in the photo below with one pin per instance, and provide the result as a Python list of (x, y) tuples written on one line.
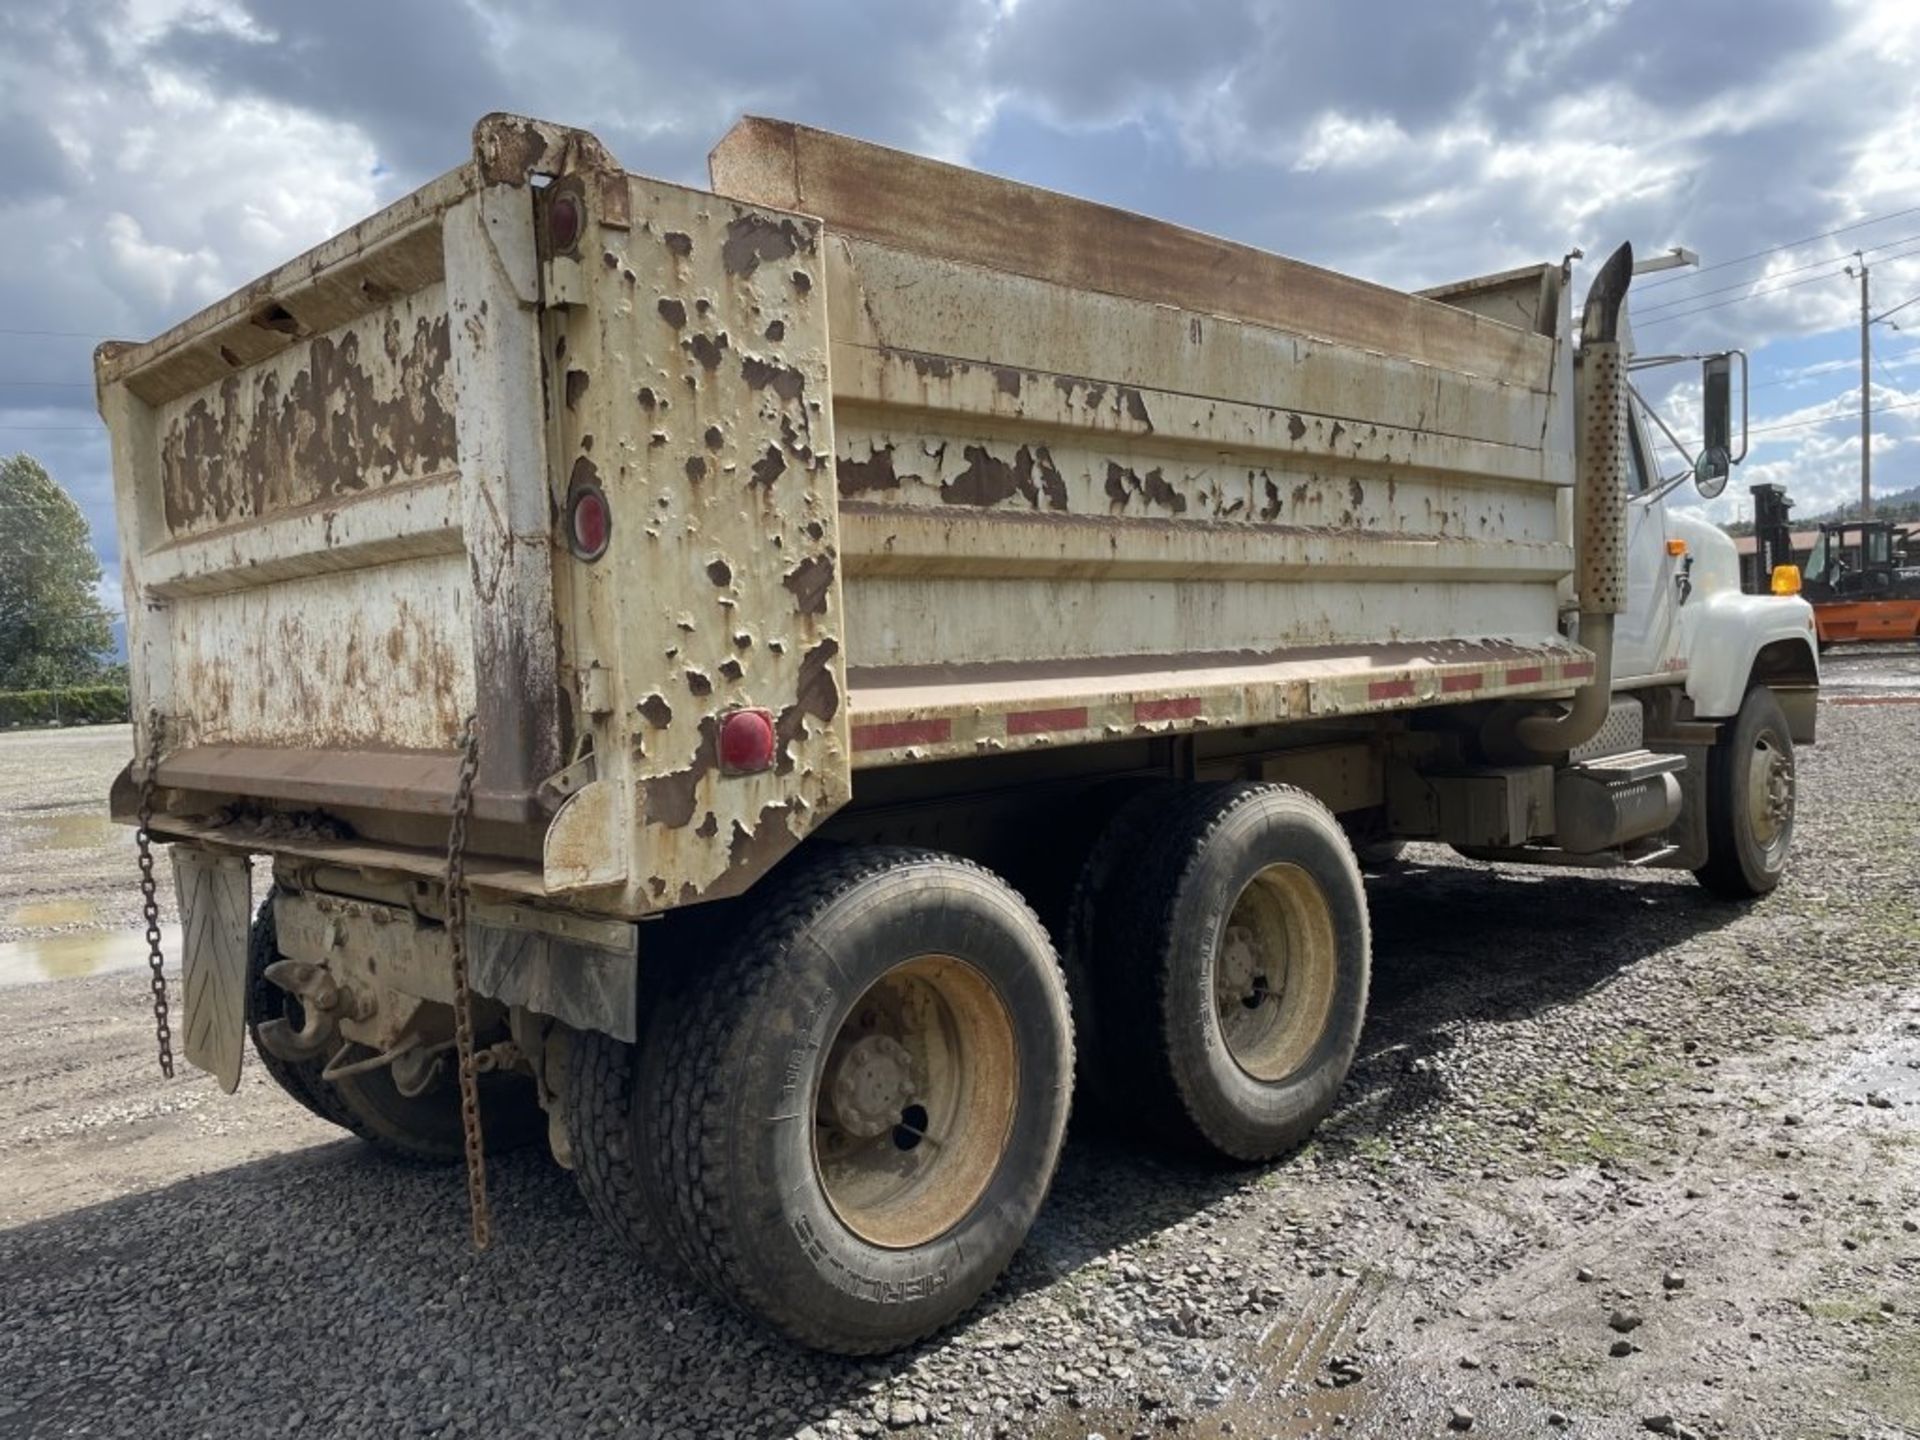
[(1616, 1160)]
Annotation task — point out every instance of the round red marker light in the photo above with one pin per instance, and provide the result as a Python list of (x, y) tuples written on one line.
[(589, 522), (746, 741), (563, 223)]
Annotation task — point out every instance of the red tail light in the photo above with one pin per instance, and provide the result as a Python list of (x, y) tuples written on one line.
[(746, 741), (589, 522), (563, 223)]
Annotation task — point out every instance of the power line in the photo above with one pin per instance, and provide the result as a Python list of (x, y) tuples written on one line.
[(1789, 245), (1793, 270), (92, 429), (1830, 419), (1827, 367), (53, 384), (54, 334), (1770, 290)]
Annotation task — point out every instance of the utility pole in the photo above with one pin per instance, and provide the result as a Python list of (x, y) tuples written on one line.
[(1866, 390)]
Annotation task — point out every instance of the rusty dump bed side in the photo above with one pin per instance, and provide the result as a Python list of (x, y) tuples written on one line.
[(956, 467), (1101, 476)]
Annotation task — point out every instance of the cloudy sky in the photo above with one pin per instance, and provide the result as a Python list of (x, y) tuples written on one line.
[(161, 152)]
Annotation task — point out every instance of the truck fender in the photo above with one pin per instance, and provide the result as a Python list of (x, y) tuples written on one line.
[(1735, 641)]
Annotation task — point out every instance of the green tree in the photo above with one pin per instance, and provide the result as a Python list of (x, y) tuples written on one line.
[(54, 631)]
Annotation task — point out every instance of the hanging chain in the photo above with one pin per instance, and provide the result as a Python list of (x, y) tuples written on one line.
[(150, 906), (462, 997)]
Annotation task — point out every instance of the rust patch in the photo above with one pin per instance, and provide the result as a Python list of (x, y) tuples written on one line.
[(860, 477), (731, 669), (1136, 405), (809, 582), (707, 349), (648, 400), (577, 382), (673, 311), (752, 239), (802, 281), (1006, 379), (699, 682), (988, 480), (714, 437), (769, 467), (1123, 484), (696, 467), (783, 380), (1296, 427), (333, 430), (706, 830), (1356, 493), (814, 696), (719, 572), (937, 367), (1158, 492), (755, 850), (671, 799), (678, 242), (776, 330), (656, 711)]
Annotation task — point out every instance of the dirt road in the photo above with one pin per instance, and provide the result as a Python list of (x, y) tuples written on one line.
[(1616, 1160)]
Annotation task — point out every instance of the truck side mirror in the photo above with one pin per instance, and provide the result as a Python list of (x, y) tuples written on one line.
[(1715, 465)]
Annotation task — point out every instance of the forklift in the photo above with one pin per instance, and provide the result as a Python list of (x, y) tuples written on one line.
[(1862, 577)]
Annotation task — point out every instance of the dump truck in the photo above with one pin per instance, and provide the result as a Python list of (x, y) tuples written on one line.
[(772, 690)]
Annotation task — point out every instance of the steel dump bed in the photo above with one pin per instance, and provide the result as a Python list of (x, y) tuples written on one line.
[(920, 463)]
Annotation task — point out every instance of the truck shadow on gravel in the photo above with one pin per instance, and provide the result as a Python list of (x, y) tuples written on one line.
[(331, 1289)]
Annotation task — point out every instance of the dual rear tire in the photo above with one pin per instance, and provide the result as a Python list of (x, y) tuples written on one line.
[(846, 1120)]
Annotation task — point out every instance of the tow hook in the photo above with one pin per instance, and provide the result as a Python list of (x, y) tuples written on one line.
[(319, 997)]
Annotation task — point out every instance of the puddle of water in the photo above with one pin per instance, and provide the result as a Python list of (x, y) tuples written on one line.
[(48, 914), (71, 957), (84, 832)]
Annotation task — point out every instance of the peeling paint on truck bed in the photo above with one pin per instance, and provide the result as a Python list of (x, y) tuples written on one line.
[(913, 463)]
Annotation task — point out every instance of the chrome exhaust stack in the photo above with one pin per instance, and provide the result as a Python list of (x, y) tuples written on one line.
[(1600, 508)]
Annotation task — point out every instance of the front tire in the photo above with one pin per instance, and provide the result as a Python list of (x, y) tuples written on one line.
[(1750, 801), (862, 1100), (1234, 964)]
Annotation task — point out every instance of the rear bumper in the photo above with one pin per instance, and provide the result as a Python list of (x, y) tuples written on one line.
[(410, 782)]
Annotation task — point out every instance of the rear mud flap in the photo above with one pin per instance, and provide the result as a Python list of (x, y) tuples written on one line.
[(216, 916)]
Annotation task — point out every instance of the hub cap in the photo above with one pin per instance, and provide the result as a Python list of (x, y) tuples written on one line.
[(1769, 792), (914, 1106), (1274, 972)]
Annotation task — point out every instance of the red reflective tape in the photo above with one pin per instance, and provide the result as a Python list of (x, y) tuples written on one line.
[(1579, 670), (1472, 681), (892, 734), (1390, 690), (1526, 675), (1183, 707), (1038, 722)]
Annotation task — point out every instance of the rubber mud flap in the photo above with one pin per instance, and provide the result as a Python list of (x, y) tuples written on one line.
[(215, 892)]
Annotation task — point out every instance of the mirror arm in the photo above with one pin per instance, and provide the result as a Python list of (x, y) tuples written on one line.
[(1665, 429)]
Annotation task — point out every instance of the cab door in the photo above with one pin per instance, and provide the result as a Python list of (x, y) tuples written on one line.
[(1643, 638)]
